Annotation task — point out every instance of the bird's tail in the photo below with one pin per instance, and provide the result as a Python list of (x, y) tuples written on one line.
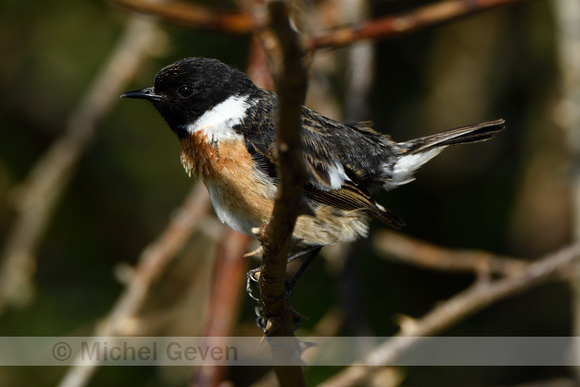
[(417, 152), (462, 135)]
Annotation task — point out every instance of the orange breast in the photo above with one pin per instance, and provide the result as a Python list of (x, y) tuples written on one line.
[(242, 196)]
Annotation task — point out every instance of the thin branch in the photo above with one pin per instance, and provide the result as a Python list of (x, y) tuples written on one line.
[(328, 325), (258, 69), (192, 15), (263, 32), (152, 264), (395, 25), (567, 15), (359, 82), (459, 307), (396, 246), (38, 196), (289, 201), (292, 174), (285, 55), (205, 18)]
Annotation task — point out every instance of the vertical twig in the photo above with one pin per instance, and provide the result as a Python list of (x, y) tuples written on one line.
[(285, 57), (289, 201), (226, 292), (359, 81), (361, 60), (567, 13), (292, 176)]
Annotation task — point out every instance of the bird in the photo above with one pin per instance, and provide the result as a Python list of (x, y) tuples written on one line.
[(226, 126)]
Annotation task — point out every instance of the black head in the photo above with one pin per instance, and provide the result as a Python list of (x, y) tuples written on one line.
[(185, 90)]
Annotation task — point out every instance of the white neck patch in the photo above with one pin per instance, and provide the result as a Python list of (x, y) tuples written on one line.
[(217, 123)]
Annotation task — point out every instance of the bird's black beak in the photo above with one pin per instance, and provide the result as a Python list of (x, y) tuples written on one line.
[(146, 93)]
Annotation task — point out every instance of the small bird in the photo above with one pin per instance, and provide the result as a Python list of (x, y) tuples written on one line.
[(227, 129)]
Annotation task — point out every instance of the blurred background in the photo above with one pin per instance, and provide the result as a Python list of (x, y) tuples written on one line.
[(65, 265)]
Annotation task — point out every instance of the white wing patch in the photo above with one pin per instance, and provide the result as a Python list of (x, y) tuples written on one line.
[(403, 170), (217, 123), (337, 175)]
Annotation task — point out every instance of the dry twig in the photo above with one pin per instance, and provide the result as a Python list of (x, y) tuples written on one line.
[(394, 245), (567, 13), (292, 174), (191, 15), (395, 25), (457, 308), (285, 60), (205, 18)]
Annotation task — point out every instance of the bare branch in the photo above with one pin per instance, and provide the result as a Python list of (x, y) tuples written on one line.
[(258, 69), (292, 175), (395, 25), (567, 15), (457, 308), (285, 55), (289, 202), (191, 15), (205, 18), (394, 245)]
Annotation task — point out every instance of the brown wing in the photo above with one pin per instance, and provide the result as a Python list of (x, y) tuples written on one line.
[(354, 196)]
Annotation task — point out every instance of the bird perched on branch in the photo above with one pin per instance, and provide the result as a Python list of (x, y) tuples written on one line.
[(227, 129)]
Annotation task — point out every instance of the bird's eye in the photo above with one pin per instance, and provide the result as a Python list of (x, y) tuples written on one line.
[(185, 91)]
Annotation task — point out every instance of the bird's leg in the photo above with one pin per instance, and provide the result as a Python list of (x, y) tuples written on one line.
[(251, 277), (310, 252)]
